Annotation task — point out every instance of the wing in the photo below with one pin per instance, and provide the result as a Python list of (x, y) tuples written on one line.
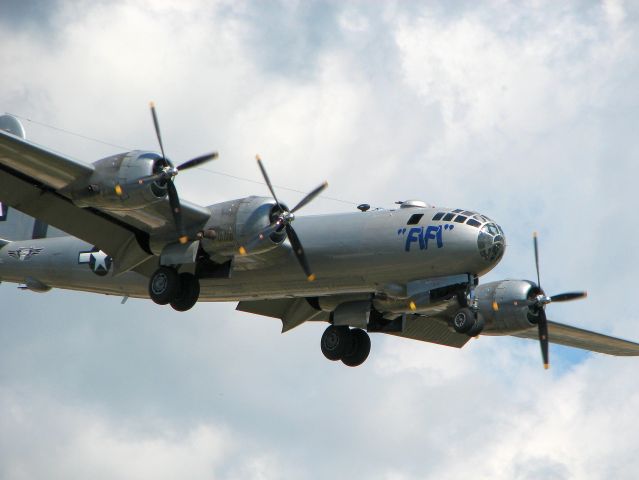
[(295, 311), (585, 339), (40, 165), (32, 180)]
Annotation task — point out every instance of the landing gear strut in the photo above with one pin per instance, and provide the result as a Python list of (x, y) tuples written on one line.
[(351, 346), (180, 290)]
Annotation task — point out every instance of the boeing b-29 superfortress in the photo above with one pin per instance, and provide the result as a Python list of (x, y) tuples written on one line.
[(122, 229)]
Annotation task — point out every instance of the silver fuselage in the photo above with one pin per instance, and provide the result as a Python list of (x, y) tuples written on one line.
[(350, 252)]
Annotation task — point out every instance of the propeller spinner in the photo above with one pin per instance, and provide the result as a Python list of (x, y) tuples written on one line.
[(283, 221), (167, 175)]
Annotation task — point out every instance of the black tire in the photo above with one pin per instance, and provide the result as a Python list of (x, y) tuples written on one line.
[(477, 328), (335, 342), (163, 285), (188, 293), (463, 320), (360, 348)]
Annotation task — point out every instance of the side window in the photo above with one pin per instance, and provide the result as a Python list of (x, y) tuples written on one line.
[(415, 218)]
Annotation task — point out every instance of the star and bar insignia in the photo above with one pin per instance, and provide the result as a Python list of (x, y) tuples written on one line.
[(99, 262)]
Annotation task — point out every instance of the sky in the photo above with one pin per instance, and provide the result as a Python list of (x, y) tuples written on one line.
[(523, 111)]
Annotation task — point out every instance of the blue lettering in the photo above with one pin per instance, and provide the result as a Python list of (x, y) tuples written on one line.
[(415, 234), (434, 233), (422, 235)]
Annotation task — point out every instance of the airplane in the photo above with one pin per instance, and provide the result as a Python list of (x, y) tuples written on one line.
[(118, 227)]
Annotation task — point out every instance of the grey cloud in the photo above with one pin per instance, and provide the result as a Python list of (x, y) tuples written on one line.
[(31, 14)]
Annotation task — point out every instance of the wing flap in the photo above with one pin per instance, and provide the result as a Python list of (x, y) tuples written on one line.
[(42, 165), (585, 339), (431, 330), (292, 311)]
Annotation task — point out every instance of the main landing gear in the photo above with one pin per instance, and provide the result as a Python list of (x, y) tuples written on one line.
[(351, 346), (181, 290), (468, 321)]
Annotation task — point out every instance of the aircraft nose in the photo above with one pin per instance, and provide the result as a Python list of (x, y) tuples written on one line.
[(491, 242)]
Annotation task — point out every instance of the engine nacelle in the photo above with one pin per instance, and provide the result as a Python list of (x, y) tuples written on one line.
[(123, 169), (235, 223), (503, 305)]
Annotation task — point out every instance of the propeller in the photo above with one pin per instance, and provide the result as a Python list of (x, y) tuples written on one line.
[(283, 221), (167, 175), (538, 306), (540, 303)]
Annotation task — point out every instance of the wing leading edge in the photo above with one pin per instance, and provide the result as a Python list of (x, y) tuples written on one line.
[(42, 165), (585, 339), (33, 180)]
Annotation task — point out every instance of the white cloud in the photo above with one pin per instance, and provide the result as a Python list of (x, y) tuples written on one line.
[(44, 438)]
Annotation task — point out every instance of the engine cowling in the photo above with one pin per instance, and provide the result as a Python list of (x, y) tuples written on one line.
[(236, 222), (504, 305), (123, 170)]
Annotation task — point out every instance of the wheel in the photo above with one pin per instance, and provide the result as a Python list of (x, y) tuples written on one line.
[(335, 341), (163, 285), (477, 328), (187, 294), (463, 320), (360, 348)]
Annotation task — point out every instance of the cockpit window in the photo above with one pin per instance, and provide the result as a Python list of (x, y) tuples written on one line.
[(473, 223), (438, 216), (415, 218), (491, 242), (448, 217), (492, 228), (458, 210), (460, 219), (468, 213)]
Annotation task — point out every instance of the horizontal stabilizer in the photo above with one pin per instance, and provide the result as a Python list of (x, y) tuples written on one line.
[(585, 339), (4, 242)]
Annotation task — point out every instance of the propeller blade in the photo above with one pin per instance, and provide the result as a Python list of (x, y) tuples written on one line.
[(152, 178), (537, 258), (156, 123), (176, 209), (566, 297), (253, 243), (268, 181), (542, 326), (198, 161), (310, 197), (299, 252)]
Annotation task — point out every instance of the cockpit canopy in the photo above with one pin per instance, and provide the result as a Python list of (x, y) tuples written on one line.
[(458, 215)]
